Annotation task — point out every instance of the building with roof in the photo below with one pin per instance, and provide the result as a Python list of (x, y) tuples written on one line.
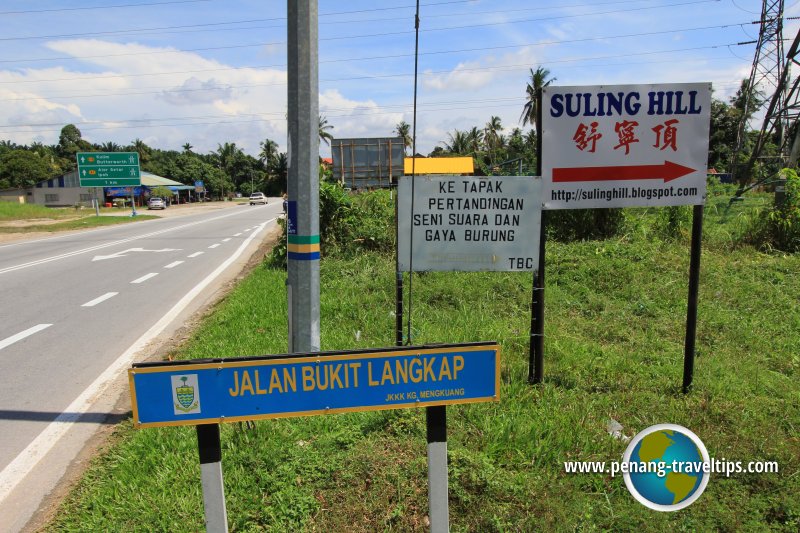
[(65, 190)]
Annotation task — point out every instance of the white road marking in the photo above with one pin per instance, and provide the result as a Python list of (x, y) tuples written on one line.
[(214, 245), (226, 239), (236, 235), (245, 231), (28, 458), (145, 277), (173, 264), (124, 253), (195, 254), (22, 334), (99, 299), (101, 246)]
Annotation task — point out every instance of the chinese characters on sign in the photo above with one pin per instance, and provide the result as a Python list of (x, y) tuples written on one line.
[(666, 135), (625, 145)]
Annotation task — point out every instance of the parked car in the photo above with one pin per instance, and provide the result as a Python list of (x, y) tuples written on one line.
[(156, 203), (258, 198)]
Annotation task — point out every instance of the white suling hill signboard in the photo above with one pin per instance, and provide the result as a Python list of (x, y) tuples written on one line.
[(625, 145)]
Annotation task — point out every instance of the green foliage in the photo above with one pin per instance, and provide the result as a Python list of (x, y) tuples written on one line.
[(673, 222), (779, 226), (582, 224), (22, 168), (349, 223), (722, 137), (161, 192)]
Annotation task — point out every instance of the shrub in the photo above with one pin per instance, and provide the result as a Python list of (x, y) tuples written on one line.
[(673, 222), (350, 223), (583, 224), (779, 226)]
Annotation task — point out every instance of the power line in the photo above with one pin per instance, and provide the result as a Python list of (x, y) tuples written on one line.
[(397, 56), (214, 26), (449, 28), (94, 8), (558, 17), (472, 69)]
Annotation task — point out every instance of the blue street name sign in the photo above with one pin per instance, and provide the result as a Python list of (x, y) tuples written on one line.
[(230, 390)]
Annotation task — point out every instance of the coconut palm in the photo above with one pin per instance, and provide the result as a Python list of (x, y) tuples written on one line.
[(492, 132), (403, 129), (141, 147), (458, 143), (324, 134), (110, 146), (269, 149), (187, 148), (539, 80), (475, 136)]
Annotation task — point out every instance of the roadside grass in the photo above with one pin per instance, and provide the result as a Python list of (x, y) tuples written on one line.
[(84, 222), (613, 350), (16, 211)]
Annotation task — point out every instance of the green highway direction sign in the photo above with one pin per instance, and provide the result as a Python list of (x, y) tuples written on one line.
[(108, 169)]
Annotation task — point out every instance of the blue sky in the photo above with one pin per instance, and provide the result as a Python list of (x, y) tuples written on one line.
[(212, 71)]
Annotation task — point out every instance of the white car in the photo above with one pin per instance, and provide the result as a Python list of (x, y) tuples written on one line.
[(156, 203), (258, 198)]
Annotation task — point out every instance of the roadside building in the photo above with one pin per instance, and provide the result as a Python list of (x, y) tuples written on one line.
[(65, 190)]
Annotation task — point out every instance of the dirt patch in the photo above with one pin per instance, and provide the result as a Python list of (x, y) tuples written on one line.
[(173, 211), (35, 222)]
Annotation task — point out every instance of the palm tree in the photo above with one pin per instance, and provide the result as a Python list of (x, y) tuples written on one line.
[(187, 148), (492, 132), (269, 149), (475, 136), (403, 129), (539, 80), (227, 154), (141, 147), (458, 143), (280, 169), (324, 134), (110, 146), (492, 136), (530, 140)]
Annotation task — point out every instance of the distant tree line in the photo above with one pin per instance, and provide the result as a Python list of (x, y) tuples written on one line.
[(223, 171)]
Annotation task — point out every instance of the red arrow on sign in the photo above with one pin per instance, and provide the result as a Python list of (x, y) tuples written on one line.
[(668, 171)]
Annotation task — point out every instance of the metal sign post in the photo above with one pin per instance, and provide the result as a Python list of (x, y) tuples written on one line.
[(536, 346), (210, 450), (438, 509), (694, 287)]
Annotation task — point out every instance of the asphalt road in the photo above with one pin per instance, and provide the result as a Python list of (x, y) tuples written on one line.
[(77, 310)]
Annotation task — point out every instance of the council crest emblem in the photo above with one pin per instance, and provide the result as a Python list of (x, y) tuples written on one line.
[(185, 394)]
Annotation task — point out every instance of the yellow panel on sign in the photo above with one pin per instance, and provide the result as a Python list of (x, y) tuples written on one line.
[(440, 165)]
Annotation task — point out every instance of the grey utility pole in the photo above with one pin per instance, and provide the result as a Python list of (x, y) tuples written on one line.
[(303, 202)]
